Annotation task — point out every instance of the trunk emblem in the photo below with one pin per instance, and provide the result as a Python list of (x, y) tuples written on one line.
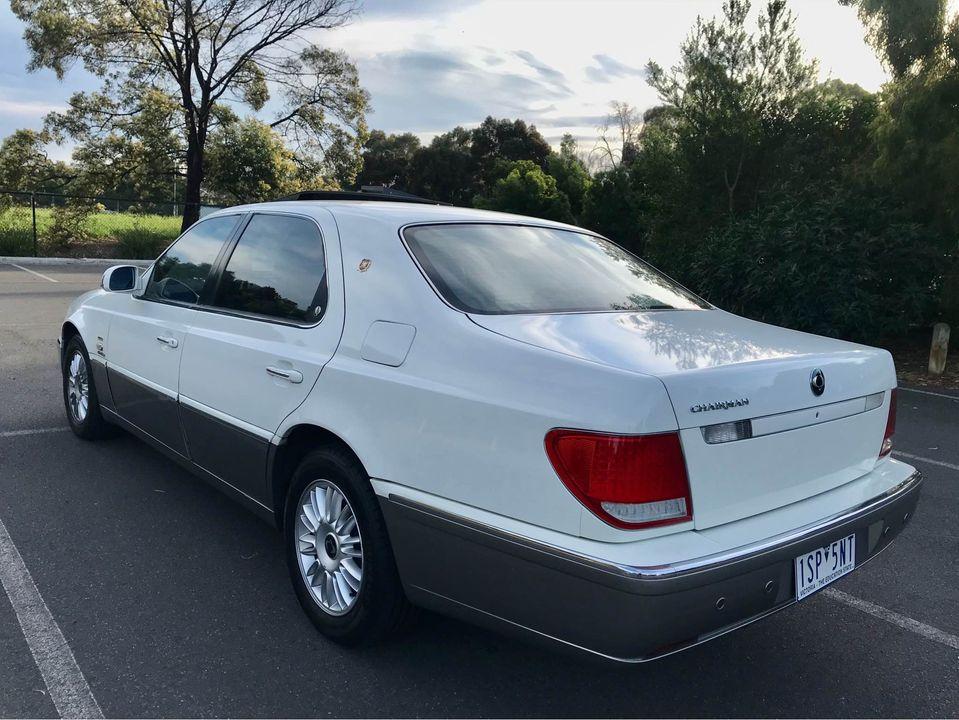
[(817, 382), (721, 405)]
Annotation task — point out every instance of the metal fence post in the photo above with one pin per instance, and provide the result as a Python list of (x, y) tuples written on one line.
[(33, 211)]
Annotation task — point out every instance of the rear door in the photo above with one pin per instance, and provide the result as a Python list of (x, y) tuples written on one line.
[(147, 332), (258, 343)]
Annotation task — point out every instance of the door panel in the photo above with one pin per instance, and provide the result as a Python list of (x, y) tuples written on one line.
[(147, 333), (253, 357), (143, 370)]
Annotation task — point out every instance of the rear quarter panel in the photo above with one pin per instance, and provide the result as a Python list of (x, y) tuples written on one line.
[(465, 415)]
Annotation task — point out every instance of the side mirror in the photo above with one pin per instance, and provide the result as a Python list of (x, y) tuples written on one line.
[(119, 278)]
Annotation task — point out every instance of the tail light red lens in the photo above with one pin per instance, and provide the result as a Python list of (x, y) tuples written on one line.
[(890, 426), (628, 481)]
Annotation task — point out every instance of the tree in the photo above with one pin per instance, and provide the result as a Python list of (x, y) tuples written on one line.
[(618, 135), (527, 190), (24, 164), (445, 170), (248, 162), (131, 155), (729, 84), (612, 208), (497, 143), (572, 178), (906, 33), (388, 159), (203, 54)]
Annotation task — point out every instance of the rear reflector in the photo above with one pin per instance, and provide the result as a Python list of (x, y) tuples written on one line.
[(728, 432), (628, 481), (890, 426)]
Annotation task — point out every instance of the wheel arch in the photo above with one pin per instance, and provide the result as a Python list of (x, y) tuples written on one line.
[(285, 456), (67, 332)]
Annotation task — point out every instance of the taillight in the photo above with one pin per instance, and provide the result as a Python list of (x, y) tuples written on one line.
[(890, 426), (629, 481)]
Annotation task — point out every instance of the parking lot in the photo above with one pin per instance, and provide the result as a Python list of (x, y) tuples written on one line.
[(173, 601)]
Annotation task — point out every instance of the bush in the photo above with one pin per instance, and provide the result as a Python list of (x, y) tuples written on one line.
[(16, 232), (68, 228), (842, 264), (143, 240)]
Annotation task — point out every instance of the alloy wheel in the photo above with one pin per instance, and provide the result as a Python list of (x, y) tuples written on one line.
[(329, 547), (78, 387)]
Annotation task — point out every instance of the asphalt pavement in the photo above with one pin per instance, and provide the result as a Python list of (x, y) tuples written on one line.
[(173, 601)]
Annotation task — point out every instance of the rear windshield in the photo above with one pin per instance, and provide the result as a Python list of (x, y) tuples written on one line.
[(513, 269)]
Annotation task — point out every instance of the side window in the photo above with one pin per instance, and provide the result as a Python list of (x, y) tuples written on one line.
[(277, 270), (179, 275)]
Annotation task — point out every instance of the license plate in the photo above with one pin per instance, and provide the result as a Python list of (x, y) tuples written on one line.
[(817, 568)]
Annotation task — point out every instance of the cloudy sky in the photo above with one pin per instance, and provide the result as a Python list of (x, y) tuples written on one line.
[(430, 65)]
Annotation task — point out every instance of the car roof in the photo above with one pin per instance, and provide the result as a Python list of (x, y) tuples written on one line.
[(394, 213)]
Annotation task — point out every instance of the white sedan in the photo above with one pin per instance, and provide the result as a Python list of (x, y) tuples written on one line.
[(504, 419)]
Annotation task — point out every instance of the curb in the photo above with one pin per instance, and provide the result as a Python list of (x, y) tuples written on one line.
[(10, 260)]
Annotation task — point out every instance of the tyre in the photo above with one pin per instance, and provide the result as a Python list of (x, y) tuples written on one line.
[(80, 394), (338, 552)]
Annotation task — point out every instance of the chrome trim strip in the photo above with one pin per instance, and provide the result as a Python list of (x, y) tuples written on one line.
[(759, 431), (684, 567), (227, 419), (142, 381)]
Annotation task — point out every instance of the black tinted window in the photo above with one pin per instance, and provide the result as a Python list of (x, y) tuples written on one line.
[(182, 271), (277, 269), (503, 269)]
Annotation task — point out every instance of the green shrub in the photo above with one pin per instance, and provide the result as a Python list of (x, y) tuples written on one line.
[(88, 230), (841, 264), (16, 236), (67, 230)]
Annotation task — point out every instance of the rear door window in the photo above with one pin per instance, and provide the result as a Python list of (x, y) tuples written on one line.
[(277, 270)]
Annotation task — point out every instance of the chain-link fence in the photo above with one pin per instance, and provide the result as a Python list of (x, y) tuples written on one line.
[(67, 225)]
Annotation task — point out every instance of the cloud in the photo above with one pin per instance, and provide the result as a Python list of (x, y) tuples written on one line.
[(438, 89), (550, 74), (27, 108), (410, 8), (610, 68)]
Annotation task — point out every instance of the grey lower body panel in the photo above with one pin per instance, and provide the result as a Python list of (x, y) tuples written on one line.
[(478, 573), (227, 451), (152, 411), (102, 384), (230, 490)]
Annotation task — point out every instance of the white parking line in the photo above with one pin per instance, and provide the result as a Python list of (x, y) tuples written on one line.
[(32, 272), (35, 431), (64, 680), (929, 392), (920, 458), (907, 623)]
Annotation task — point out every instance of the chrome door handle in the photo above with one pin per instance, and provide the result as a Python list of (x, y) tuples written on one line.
[(294, 376), (171, 342)]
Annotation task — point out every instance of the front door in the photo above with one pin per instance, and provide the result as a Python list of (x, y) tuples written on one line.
[(147, 333), (254, 352)]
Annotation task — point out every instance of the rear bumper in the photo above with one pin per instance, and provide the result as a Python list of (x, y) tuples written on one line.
[(626, 613)]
